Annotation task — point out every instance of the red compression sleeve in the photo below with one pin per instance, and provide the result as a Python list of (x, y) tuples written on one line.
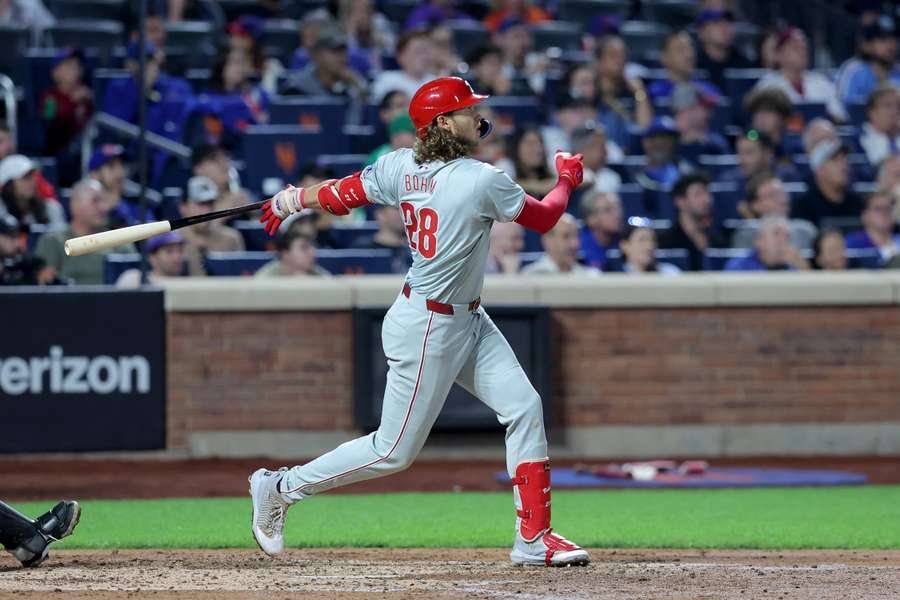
[(542, 215)]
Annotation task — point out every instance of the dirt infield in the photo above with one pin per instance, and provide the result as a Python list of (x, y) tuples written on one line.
[(27, 478), (453, 573)]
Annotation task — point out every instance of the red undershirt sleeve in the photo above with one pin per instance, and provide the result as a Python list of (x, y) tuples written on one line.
[(542, 215)]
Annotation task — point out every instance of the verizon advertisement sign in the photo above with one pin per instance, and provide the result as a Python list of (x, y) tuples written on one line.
[(82, 370)]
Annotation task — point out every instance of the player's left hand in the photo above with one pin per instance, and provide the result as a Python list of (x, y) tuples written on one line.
[(570, 168), (279, 207)]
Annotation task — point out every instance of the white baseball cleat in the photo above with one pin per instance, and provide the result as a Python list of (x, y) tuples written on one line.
[(269, 509), (549, 549)]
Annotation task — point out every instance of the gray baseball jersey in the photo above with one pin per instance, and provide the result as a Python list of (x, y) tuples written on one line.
[(448, 209)]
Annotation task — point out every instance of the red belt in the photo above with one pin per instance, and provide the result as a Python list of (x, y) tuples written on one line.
[(440, 307)]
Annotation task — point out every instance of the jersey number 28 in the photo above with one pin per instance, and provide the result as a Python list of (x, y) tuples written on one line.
[(421, 227)]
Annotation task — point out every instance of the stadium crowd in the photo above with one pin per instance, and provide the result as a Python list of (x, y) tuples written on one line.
[(710, 142)]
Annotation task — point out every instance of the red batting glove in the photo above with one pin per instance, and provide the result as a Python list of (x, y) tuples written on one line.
[(270, 221), (570, 168), (279, 207)]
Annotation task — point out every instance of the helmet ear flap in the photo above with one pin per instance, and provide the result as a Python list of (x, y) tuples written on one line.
[(485, 128)]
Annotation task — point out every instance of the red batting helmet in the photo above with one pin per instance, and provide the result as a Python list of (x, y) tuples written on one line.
[(439, 97)]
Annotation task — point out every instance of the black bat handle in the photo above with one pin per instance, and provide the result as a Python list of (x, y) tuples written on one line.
[(221, 214)]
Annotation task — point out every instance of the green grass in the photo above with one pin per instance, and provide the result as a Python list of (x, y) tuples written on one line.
[(842, 517)]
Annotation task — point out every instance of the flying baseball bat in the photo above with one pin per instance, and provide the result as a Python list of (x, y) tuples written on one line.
[(116, 237)]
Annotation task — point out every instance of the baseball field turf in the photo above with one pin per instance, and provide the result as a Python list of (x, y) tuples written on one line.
[(782, 518)]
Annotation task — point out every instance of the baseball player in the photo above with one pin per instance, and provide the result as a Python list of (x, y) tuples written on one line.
[(29, 541), (436, 332)]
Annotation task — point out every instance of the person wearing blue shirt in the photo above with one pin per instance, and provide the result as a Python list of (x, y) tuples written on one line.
[(772, 250), (661, 172), (692, 110), (602, 214), (874, 65), (107, 167), (878, 231), (679, 59)]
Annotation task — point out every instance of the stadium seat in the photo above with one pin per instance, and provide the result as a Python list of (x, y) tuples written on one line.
[(674, 256), (102, 77), (810, 110), (725, 200), (715, 165), (556, 34), (280, 38), (279, 151), (863, 258), (398, 10), (526, 258), (842, 224), (747, 37), (360, 139), (199, 79), (116, 264), (326, 112), (515, 111), (643, 38), (714, 259), (343, 164), (355, 262), (14, 40), (194, 36), (467, 36), (255, 237), (740, 81), (632, 197), (234, 264), (345, 235), (114, 10), (585, 11), (676, 13), (48, 169), (103, 36), (857, 112)]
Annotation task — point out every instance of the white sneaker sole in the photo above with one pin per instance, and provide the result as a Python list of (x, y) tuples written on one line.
[(573, 558), (265, 543)]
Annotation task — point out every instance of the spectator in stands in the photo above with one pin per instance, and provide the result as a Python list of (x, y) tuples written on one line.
[(245, 34), (520, 9), (7, 143), (766, 197), (66, 107), (390, 236), (415, 54), (818, 130), (591, 142), (313, 24), (570, 114), (18, 267), (212, 236), (393, 104), (90, 214), (769, 109), (507, 242), (322, 221), (693, 227), (660, 172), (520, 62), (794, 78), (768, 56), (165, 254), (878, 227), (31, 14), (678, 58), (772, 250), (108, 169), (560, 251), (21, 197), (434, 12), (691, 110), (154, 26), (486, 74), (446, 59), (874, 65), (623, 99), (828, 191), (214, 161), (602, 214), (401, 134), (296, 256), (755, 155), (717, 52), (369, 34), (831, 252), (231, 96), (638, 246), (889, 176), (528, 165), (880, 134)]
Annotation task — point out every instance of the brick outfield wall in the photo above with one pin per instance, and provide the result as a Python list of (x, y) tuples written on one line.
[(250, 371)]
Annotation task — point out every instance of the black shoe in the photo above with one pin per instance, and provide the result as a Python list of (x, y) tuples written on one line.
[(60, 520), (36, 558)]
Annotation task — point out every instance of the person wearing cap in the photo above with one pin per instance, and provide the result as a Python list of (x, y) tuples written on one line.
[(401, 134), (623, 99), (231, 96), (679, 59), (796, 80), (716, 51), (296, 257), (415, 55), (165, 253), (330, 74), (879, 136), (370, 35), (561, 246), (691, 110), (766, 197), (17, 266), (8, 148), (772, 250), (828, 190), (526, 11), (875, 63), (660, 172), (66, 107), (107, 167), (19, 195), (692, 228), (211, 236), (90, 214), (879, 228)]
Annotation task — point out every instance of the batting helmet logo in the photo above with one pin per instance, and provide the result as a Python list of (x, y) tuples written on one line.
[(441, 96)]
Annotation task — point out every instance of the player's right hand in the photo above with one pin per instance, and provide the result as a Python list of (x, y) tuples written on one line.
[(280, 207), (570, 168)]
